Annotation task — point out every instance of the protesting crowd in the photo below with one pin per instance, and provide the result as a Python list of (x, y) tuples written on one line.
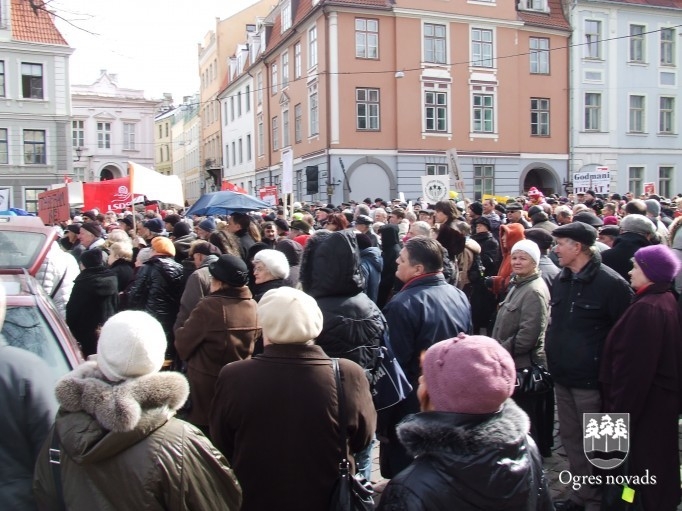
[(254, 360)]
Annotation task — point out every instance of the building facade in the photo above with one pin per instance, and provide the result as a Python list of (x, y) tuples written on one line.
[(186, 136), (369, 97), (163, 140), (111, 125), (35, 105), (625, 82)]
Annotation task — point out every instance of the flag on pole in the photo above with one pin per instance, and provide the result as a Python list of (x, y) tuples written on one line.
[(231, 187), (155, 186)]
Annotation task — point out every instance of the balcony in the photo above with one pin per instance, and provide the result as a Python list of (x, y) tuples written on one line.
[(214, 168)]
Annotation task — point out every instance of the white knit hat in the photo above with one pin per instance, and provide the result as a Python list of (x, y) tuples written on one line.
[(529, 247), (131, 344), (289, 316)]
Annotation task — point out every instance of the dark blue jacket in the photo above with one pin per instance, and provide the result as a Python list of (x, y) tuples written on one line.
[(425, 311), (371, 265)]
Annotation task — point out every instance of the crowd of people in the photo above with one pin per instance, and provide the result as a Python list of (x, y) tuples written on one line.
[(209, 345)]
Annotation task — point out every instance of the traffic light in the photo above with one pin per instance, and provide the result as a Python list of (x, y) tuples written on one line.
[(312, 179)]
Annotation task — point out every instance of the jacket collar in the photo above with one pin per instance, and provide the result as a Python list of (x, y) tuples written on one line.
[(656, 288), (427, 279), (303, 351), (587, 272), (241, 293)]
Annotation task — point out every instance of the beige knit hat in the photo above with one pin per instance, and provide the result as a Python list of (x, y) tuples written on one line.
[(289, 316)]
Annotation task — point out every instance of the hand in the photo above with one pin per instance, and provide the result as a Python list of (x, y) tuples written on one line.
[(488, 282)]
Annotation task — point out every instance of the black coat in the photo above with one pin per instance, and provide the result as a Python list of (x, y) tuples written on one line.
[(619, 257), (94, 299), (390, 250), (490, 252), (157, 289), (468, 462), (124, 271), (585, 306), (351, 320)]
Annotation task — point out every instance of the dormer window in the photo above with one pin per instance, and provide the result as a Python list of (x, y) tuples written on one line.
[(286, 16), (533, 5)]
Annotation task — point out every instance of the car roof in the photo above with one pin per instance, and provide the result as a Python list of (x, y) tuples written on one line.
[(24, 243)]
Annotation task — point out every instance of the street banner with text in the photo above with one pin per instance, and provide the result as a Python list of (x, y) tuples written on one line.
[(597, 180), (435, 188), (111, 195), (268, 194), (53, 206)]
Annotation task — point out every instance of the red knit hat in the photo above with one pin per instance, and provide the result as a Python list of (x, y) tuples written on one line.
[(468, 374)]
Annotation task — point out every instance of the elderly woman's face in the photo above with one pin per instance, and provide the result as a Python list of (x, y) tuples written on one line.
[(637, 277), (522, 264), (261, 274)]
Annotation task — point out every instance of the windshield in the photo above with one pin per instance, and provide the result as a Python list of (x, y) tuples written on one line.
[(19, 249), (26, 328)]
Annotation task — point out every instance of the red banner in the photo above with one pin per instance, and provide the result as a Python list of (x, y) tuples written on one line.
[(268, 194), (111, 195), (226, 185)]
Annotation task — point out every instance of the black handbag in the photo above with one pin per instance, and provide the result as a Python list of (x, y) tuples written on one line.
[(387, 380), (351, 493), (533, 380)]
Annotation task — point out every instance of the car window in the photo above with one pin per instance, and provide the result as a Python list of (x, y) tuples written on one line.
[(26, 328), (19, 249)]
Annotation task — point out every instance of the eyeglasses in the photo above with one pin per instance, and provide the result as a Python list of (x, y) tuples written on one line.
[(259, 268)]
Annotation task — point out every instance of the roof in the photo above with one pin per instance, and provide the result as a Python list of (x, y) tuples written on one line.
[(554, 19), (34, 25)]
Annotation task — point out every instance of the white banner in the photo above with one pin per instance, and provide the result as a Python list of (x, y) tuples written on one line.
[(155, 186), (435, 188), (4, 199), (287, 172), (597, 180)]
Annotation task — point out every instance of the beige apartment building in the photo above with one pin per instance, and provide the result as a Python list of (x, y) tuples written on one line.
[(213, 52), (369, 96)]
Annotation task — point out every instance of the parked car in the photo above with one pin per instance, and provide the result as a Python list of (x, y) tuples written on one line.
[(32, 322)]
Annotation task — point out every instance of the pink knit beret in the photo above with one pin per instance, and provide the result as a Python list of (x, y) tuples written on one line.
[(468, 374), (658, 262)]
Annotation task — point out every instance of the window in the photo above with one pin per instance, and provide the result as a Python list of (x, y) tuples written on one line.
[(297, 60), (366, 38), (484, 181), (592, 111), (247, 98), (32, 80), (434, 43), (636, 114), (128, 136), (2, 79), (234, 154), (665, 181), (312, 47), (285, 69), (539, 55), (433, 169), (636, 43), (313, 110), (539, 117), (483, 113), (635, 176), (436, 110), (78, 133), (298, 114), (104, 135), (592, 39), (367, 108), (240, 150), (275, 133), (31, 199), (666, 117), (248, 147), (275, 78), (34, 146), (160, 131), (166, 129), (239, 104), (536, 5), (259, 88), (285, 128), (260, 135), (286, 17), (4, 148), (231, 108), (481, 47), (227, 156), (667, 46)]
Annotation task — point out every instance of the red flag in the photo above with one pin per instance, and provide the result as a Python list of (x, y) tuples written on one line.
[(111, 195), (67, 179), (232, 187)]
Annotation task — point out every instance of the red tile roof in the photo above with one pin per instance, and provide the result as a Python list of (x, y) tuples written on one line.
[(34, 25), (554, 19)]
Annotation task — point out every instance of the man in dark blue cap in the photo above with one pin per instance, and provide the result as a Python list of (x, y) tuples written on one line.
[(587, 300)]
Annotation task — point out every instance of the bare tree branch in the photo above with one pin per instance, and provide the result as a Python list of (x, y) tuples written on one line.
[(40, 5)]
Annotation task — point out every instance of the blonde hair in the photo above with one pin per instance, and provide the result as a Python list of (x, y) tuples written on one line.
[(122, 250)]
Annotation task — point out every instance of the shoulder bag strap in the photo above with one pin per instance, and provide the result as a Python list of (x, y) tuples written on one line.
[(55, 461), (59, 284), (342, 413)]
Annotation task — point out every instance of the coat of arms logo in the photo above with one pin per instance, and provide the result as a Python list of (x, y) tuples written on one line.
[(606, 438)]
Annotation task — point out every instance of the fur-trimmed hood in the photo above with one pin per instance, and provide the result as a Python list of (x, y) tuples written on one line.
[(486, 457), (98, 419)]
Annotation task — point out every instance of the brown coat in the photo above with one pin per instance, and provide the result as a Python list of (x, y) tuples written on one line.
[(222, 328), (275, 417)]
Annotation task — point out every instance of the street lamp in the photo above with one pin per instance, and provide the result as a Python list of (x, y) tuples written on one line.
[(79, 151)]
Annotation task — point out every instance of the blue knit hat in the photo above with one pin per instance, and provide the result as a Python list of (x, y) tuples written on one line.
[(207, 224)]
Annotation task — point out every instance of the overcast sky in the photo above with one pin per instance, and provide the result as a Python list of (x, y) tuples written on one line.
[(150, 44)]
